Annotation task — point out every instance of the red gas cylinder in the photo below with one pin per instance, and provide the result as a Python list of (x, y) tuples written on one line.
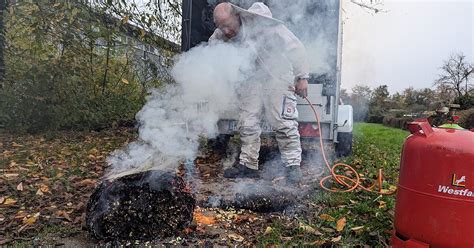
[(435, 198)]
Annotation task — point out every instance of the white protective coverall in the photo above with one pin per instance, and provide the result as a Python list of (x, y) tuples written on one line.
[(280, 61)]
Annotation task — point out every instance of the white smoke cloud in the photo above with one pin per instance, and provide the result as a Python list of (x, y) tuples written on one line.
[(174, 117), (207, 78)]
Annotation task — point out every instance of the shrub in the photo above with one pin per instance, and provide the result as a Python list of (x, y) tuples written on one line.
[(397, 122), (466, 118)]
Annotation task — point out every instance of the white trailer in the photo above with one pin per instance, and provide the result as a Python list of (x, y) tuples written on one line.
[(318, 24)]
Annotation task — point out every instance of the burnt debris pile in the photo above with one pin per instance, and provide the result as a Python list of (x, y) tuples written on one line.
[(257, 197), (142, 206)]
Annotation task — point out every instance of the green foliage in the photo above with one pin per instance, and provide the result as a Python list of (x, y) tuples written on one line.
[(465, 101), (70, 65), (379, 104), (466, 118), (397, 122)]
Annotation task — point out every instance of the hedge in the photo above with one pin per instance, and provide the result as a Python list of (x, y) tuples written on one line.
[(466, 118), (397, 122)]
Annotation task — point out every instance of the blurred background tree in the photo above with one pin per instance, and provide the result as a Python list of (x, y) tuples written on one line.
[(81, 65)]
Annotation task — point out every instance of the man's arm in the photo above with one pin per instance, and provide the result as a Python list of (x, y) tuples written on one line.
[(296, 53), (218, 35)]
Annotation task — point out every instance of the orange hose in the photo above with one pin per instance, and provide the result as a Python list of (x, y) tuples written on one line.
[(350, 184)]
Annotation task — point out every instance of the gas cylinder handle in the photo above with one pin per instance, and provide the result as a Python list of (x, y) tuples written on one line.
[(420, 127)]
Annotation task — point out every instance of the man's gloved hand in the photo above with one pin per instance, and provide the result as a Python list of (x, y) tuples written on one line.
[(301, 88)]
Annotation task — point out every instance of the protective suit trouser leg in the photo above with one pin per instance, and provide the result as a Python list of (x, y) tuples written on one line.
[(251, 107), (281, 112)]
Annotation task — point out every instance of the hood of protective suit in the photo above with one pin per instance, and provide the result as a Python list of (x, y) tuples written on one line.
[(257, 10)]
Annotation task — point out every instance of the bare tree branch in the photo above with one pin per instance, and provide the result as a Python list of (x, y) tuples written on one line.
[(456, 74), (372, 6)]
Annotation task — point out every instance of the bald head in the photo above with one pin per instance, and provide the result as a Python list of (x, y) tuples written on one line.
[(227, 20), (222, 10)]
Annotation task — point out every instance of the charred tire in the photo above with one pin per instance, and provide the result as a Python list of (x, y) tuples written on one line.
[(344, 144)]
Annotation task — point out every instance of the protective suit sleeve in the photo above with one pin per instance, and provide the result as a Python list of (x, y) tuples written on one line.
[(218, 35), (295, 52)]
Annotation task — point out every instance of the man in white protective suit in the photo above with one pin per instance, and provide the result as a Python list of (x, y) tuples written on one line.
[(281, 74)]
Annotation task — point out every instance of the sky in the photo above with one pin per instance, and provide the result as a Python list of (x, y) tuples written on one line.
[(406, 45)]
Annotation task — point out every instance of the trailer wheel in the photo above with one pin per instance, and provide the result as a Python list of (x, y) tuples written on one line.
[(344, 144)]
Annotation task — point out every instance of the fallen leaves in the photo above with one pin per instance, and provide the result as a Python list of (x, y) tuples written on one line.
[(309, 229), (391, 189), (31, 220), (87, 183), (268, 231), (19, 187), (340, 224), (20, 215), (16, 145), (327, 230), (236, 237), (336, 239), (63, 214), (357, 229), (42, 189), (35, 177), (10, 175), (9, 201), (316, 243), (327, 217), (239, 218)]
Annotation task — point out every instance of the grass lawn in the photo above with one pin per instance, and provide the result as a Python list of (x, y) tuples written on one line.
[(365, 218)]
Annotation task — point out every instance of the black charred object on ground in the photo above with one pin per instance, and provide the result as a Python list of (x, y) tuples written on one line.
[(257, 197), (142, 206)]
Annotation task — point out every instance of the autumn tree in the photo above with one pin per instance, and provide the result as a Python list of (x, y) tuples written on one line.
[(444, 94), (360, 101), (456, 74), (379, 104)]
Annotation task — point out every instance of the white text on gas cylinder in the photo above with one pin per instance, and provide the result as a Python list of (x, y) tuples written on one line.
[(450, 191)]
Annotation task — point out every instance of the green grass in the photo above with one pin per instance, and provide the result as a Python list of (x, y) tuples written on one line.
[(375, 146)]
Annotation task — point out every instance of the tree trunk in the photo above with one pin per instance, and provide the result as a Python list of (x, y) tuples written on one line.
[(104, 82), (3, 8)]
